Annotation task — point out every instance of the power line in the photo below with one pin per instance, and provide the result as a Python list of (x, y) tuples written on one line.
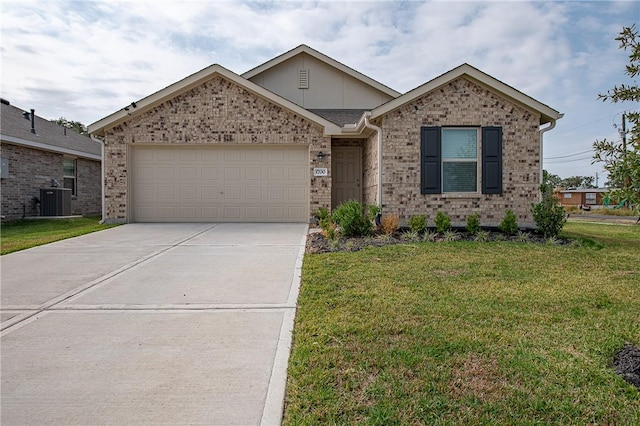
[(570, 161), (568, 155)]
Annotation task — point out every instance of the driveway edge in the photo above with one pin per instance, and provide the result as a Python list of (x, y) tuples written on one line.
[(274, 402)]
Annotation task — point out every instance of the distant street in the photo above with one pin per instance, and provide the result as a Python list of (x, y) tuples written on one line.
[(630, 220)]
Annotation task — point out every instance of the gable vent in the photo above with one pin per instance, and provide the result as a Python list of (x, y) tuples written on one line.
[(303, 79)]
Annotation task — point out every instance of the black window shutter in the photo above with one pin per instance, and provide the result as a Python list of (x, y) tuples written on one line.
[(430, 158), (492, 160)]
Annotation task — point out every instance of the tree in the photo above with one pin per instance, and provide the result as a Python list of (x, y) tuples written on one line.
[(553, 180), (76, 126), (622, 158), (578, 182)]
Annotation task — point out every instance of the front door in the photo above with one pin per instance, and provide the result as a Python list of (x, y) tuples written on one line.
[(347, 175)]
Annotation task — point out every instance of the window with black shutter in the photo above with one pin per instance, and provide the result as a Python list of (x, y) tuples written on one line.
[(451, 160)]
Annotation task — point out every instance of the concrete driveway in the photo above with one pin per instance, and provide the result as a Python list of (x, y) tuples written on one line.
[(151, 324)]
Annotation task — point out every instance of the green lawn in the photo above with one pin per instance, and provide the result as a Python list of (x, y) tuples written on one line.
[(24, 234), (468, 333)]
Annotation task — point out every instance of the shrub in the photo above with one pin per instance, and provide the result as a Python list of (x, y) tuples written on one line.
[(549, 216), (509, 224), (372, 211), (443, 223), (473, 224), (351, 219), (418, 223), (324, 219), (330, 231), (389, 224)]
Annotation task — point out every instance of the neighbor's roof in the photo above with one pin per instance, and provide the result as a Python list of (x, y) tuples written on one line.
[(49, 136), (547, 114), (194, 80), (583, 190), (327, 60)]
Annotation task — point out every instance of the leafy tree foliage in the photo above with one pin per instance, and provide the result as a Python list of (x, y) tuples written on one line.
[(570, 182), (622, 159), (76, 126)]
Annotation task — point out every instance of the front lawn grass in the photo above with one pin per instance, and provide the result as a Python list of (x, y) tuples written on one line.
[(24, 234), (468, 333)]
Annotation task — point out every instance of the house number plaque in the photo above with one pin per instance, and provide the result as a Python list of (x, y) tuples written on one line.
[(320, 171)]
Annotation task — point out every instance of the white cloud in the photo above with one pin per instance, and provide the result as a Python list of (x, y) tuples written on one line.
[(84, 60)]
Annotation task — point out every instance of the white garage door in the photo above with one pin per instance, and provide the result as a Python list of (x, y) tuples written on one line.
[(264, 183)]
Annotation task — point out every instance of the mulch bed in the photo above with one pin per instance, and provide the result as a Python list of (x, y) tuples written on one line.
[(626, 363), (317, 243)]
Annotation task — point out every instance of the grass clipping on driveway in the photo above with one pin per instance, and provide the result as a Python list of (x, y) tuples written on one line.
[(24, 234), (468, 333)]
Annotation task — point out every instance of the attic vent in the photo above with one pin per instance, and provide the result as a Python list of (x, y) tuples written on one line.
[(303, 79)]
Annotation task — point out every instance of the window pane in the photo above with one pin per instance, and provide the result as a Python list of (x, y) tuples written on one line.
[(69, 167), (459, 177), (71, 184), (459, 143)]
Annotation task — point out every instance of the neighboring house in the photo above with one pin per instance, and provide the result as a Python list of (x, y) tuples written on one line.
[(36, 153), (303, 131), (589, 197)]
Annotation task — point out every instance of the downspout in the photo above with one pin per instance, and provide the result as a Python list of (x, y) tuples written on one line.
[(551, 126), (378, 130), (101, 178)]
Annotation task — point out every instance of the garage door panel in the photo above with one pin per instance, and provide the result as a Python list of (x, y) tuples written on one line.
[(165, 193), (220, 183)]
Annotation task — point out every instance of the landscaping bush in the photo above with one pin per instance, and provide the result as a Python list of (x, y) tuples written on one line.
[(473, 224), (324, 220), (549, 216), (418, 223), (372, 212), (509, 224), (389, 224), (350, 217), (443, 223)]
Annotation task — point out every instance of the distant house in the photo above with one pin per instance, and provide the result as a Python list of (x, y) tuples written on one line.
[(304, 131), (38, 154), (588, 197)]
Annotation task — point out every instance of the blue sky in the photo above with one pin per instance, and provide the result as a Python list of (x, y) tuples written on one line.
[(86, 59)]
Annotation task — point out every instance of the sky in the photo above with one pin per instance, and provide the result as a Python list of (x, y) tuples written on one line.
[(84, 60)]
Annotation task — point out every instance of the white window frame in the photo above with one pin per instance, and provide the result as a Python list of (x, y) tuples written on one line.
[(590, 200), (477, 160)]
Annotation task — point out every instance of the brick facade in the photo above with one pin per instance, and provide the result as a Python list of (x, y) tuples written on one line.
[(31, 169), (461, 102), (215, 112)]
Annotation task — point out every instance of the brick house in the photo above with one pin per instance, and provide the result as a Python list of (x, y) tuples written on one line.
[(303, 131), (35, 153), (582, 197)]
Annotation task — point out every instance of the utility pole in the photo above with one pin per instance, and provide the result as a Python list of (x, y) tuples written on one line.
[(597, 186)]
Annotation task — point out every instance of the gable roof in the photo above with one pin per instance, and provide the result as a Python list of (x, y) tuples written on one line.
[(547, 114), (323, 58), (188, 83), (49, 136)]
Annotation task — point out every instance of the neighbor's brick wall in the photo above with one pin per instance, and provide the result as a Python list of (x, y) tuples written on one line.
[(31, 169), (89, 193), (461, 103), (216, 112)]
